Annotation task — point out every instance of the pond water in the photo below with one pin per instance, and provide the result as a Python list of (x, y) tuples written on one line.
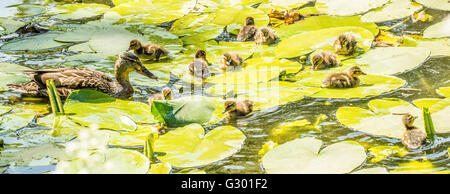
[(428, 77)]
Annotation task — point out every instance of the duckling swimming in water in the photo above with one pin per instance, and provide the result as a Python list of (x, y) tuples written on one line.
[(324, 60), (147, 51), (230, 59), (413, 137), (347, 79), (345, 44), (248, 31), (265, 35), (199, 66), (237, 108), (165, 94)]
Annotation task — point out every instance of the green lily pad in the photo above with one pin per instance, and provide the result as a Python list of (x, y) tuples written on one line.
[(78, 11), (113, 40), (392, 60), (435, 4), (199, 34), (83, 47), (133, 138), (444, 91), (30, 10), (25, 156), (9, 25), (189, 146), (307, 42), (438, 47), (160, 168), (348, 7), (395, 9), (160, 36), (381, 110), (64, 126), (92, 107), (34, 43), (153, 12), (323, 22), (16, 120), (382, 152), (192, 21), (438, 30), (237, 15), (4, 109), (303, 156), (183, 111)]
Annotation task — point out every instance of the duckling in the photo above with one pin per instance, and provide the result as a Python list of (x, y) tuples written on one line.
[(291, 16), (199, 66), (147, 51), (345, 44), (347, 79), (265, 35), (230, 59), (248, 31), (237, 108), (165, 94), (413, 137), (324, 60)]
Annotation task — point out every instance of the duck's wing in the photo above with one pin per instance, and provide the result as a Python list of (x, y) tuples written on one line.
[(338, 80), (246, 33)]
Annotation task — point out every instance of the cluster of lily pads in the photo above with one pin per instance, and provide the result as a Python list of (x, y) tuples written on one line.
[(272, 75)]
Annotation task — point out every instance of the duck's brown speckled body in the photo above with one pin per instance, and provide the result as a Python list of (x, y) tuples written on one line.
[(147, 51), (347, 79), (248, 31), (199, 66), (165, 94), (413, 137), (230, 59), (324, 60), (68, 79), (345, 44), (237, 108)]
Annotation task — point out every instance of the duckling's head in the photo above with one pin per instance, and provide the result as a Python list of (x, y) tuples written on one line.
[(135, 45), (200, 54), (230, 105), (407, 119), (249, 21), (355, 71), (167, 93), (128, 62), (316, 60)]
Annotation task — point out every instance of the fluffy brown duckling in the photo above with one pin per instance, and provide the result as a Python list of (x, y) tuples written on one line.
[(165, 94), (237, 108), (345, 44), (324, 60), (347, 79), (265, 35), (248, 31), (230, 59), (199, 66), (147, 51), (291, 16), (413, 137)]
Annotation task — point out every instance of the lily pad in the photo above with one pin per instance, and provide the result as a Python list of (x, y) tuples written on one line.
[(9, 25), (200, 34), (113, 40), (444, 91), (78, 11), (435, 4), (438, 30), (160, 36), (133, 138), (395, 9), (392, 60), (16, 120), (438, 47), (303, 156), (382, 152), (192, 21), (160, 168), (237, 15), (189, 146), (4, 109), (307, 42), (92, 107), (34, 43), (30, 10), (348, 7)]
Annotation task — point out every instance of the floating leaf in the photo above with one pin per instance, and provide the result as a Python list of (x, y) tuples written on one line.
[(395, 9), (435, 4), (382, 152), (30, 10), (78, 11), (438, 30), (16, 120), (200, 34), (392, 60), (34, 43), (112, 41), (444, 91), (189, 146), (160, 168), (414, 167), (303, 156), (348, 7), (133, 138), (237, 15), (4, 109), (8, 26), (160, 36), (438, 47)]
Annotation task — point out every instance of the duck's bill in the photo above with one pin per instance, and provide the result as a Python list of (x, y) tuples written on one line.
[(149, 74)]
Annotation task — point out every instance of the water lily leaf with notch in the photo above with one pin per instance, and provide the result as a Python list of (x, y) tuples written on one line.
[(234, 17), (348, 7), (438, 30), (133, 138), (322, 22), (113, 40), (371, 85), (92, 107), (9, 25), (307, 42), (395, 9), (34, 43), (392, 60), (64, 126), (189, 146), (78, 11), (183, 111), (30, 10), (303, 156), (435, 4)]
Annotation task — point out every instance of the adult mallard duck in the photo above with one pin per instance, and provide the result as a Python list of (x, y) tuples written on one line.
[(345, 44), (347, 79), (413, 137), (147, 51), (248, 31), (199, 66), (165, 94), (69, 79), (237, 108), (265, 35), (230, 59), (324, 60)]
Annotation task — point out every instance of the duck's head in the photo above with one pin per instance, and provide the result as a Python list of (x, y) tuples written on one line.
[(135, 45), (345, 43), (200, 54), (230, 105), (249, 21), (128, 62), (167, 93), (407, 119), (355, 71)]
